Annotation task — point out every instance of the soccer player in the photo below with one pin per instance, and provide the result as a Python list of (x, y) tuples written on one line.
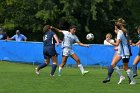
[(137, 58), (49, 51), (123, 52), (69, 39)]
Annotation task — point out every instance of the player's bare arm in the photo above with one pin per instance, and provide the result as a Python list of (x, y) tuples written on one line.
[(81, 44), (58, 30), (114, 43)]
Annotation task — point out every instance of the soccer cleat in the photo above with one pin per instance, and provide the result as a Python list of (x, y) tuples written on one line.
[(84, 72), (121, 79), (106, 80), (132, 82), (135, 75), (36, 71), (52, 75)]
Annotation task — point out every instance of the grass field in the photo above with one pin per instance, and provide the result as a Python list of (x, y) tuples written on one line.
[(20, 78)]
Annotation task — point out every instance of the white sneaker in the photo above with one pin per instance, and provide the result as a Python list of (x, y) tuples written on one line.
[(84, 72), (52, 75), (36, 71), (121, 79), (132, 82)]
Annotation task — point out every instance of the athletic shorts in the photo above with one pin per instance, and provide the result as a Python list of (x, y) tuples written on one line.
[(67, 51), (49, 51), (125, 60)]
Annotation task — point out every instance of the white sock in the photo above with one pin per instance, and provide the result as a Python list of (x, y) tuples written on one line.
[(59, 70), (81, 67), (117, 70), (130, 74)]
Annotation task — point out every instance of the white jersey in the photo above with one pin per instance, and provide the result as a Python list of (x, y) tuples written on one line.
[(123, 48), (69, 39), (107, 43)]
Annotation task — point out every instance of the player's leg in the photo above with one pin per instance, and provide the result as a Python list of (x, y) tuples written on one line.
[(75, 57), (54, 65), (136, 61), (115, 60), (46, 62), (128, 71), (65, 54), (117, 70), (64, 59)]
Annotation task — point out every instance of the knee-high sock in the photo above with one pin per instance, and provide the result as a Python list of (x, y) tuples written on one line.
[(42, 66), (110, 71), (81, 68), (117, 70), (130, 75), (59, 70), (134, 69), (53, 69)]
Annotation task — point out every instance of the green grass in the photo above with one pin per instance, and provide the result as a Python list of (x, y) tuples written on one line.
[(20, 78)]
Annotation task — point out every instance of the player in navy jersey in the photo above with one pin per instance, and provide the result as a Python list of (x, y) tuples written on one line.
[(49, 51), (137, 58), (123, 53), (69, 39)]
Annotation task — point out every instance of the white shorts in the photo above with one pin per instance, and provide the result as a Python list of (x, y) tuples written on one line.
[(67, 51)]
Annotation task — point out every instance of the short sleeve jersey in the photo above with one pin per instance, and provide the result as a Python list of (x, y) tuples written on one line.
[(69, 39), (20, 37), (48, 38), (123, 49)]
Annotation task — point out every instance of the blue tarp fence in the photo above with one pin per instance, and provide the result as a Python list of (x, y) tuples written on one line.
[(31, 52)]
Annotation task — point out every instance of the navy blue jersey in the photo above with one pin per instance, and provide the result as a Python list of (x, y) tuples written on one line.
[(49, 45), (48, 38)]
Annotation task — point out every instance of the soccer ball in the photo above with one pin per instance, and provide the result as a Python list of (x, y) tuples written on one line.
[(90, 36)]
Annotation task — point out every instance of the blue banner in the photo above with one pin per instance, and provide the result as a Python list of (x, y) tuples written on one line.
[(32, 52)]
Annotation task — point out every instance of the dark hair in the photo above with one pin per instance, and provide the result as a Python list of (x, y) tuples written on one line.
[(46, 28), (73, 26)]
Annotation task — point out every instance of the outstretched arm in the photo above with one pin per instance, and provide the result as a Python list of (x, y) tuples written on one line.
[(81, 44), (58, 30)]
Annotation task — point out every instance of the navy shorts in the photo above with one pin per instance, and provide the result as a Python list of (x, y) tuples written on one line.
[(49, 51), (125, 60)]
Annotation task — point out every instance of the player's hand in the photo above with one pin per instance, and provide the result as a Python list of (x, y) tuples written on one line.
[(87, 45)]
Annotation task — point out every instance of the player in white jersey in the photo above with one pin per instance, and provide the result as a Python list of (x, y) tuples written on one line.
[(69, 39), (122, 53)]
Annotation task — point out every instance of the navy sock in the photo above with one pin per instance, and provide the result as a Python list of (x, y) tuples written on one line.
[(42, 66), (110, 71), (53, 69), (134, 69)]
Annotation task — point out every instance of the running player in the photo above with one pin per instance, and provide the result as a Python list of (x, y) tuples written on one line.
[(49, 51), (137, 58), (122, 53), (69, 39)]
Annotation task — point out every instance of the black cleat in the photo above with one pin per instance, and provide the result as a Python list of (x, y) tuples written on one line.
[(135, 75), (106, 80)]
